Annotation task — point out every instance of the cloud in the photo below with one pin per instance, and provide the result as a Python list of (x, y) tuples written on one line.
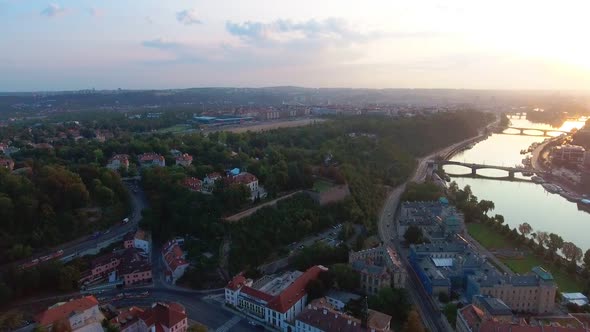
[(285, 31), (148, 20), (188, 17), (53, 10)]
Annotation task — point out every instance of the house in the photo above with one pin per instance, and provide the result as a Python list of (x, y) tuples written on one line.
[(151, 159), (211, 178), (247, 179), (476, 318), (184, 160), (174, 260), (378, 267), (80, 313), (7, 163), (138, 239), (129, 265), (319, 316), (134, 268), (339, 299), (118, 161), (164, 317), (128, 320), (193, 183), (274, 300)]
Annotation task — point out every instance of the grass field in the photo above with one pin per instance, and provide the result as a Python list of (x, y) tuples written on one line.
[(322, 186), (490, 238), (179, 128)]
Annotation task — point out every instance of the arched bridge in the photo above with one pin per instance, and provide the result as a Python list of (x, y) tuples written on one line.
[(474, 167), (544, 131)]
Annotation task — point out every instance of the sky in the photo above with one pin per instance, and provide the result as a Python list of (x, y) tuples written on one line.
[(465, 44)]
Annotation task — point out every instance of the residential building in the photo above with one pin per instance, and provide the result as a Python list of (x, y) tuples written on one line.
[(128, 320), (573, 154), (274, 299), (151, 159), (211, 178), (82, 313), (319, 316), (134, 268), (193, 183), (378, 267), (129, 266), (164, 317), (339, 299), (174, 261), (245, 178), (7, 163), (184, 160), (141, 241), (118, 161), (473, 318), (531, 293)]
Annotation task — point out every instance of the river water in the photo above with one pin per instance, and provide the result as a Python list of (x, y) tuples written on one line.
[(522, 202)]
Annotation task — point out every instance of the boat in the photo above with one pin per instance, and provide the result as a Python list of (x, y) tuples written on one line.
[(528, 173), (523, 151), (551, 188), (537, 179), (570, 196), (584, 205)]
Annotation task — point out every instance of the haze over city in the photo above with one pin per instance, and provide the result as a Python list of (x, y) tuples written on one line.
[(67, 44)]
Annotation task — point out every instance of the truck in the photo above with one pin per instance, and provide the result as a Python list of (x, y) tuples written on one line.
[(126, 220)]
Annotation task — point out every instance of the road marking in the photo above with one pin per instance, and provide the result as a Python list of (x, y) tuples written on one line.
[(229, 324)]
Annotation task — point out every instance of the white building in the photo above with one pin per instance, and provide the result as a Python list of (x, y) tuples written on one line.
[(174, 260), (141, 241), (82, 313), (118, 161), (273, 300)]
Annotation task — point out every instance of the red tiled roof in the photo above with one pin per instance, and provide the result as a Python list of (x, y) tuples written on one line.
[(243, 178), (8, 163), (236, 282), (163, 314), (185, 157), (121, 157), (123, 319), (63, 311), (193, 183), (472, 315), (256, 293), (294, 292), (214, 175), (150, 156)]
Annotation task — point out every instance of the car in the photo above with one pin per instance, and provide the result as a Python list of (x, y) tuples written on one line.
[(301, 246), (252, 323), (126, 220)]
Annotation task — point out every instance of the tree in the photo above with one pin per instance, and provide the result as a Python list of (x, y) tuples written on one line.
[(345, 277), (542, 238), (413, 323), (414, 235), (485, 206), (315, 289), (392, 301), (587, 259), (525, 229), (571, 252), (555, 243)]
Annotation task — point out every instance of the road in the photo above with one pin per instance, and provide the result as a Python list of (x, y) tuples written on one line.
[(87, 245), (431, 315)]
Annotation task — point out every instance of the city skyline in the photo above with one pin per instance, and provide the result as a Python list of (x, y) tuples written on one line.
[(69, 44)]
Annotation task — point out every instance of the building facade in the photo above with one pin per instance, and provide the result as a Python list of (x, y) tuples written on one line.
[(174, 261), (80, 313), (272, 300), (118, 161), (378, 267), (151, 159), (184, 160)]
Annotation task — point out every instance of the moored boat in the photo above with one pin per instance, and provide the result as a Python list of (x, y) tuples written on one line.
[(551, 188), (537, 179)]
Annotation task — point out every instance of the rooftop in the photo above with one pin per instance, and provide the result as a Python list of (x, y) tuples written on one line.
[(64, 310)]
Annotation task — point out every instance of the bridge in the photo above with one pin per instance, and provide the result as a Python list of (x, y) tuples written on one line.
[(474, 167), (544, 131)]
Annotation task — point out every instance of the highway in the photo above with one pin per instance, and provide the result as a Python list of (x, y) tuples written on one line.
[(431, 315)]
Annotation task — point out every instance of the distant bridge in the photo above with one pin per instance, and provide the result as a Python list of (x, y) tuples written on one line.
[(544, 131), (474, 167)]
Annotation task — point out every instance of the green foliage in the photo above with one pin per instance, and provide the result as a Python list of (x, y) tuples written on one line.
[(414, 235), (450, 311), (345, 277), (45, 207), (425, 191), (320, 254), (414, 323), (392, 301)]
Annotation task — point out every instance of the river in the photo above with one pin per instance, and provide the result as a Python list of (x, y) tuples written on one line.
[(522, 202)]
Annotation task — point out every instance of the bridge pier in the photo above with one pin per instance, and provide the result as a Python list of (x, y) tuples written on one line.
[(522, 131), (510, 174), (473, 171)]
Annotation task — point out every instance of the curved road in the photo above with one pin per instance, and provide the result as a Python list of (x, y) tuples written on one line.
[(431, 316)]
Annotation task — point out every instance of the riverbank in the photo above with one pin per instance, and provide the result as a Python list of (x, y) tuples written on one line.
[(494, 240)]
